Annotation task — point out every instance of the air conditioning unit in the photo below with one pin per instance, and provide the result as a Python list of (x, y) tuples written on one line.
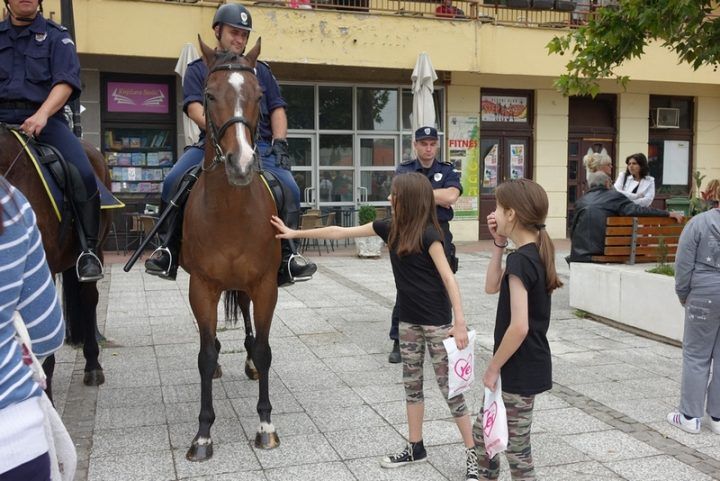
[(666, 118)]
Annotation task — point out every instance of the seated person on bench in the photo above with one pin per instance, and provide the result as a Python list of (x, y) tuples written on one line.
[(591, 212)]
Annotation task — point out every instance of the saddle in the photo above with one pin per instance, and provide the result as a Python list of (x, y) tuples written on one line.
[(58, 176)]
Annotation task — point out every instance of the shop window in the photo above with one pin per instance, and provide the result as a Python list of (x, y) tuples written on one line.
[(336, 108), (377, 109), (670, 149), (336, 150), (377, 152), (301, 106)]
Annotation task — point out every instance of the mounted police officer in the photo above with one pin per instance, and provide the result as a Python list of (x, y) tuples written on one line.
[(232, 24), (446, 186), (39, 74)]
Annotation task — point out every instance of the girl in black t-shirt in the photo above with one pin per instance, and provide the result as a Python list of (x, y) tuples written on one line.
[(426, 291), (522, 353)]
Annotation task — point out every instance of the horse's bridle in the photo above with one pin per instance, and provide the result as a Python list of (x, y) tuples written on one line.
[(215, 133)]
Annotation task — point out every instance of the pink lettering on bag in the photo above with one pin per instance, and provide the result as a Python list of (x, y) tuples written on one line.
[(489, 416), (464, 367)]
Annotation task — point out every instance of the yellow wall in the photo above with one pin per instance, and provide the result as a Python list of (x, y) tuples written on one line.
[(633, 124), (707, 137)]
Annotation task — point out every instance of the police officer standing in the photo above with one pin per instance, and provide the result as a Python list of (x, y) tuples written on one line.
[(39, 74), (446, 186), (232, 25)]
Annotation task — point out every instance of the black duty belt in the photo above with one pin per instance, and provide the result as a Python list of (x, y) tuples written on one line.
[(18, 105)]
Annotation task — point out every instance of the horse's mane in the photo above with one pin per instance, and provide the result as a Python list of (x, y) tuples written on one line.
[(227, 56)]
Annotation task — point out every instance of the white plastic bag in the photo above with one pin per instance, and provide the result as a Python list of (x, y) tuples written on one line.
[(461, 365), (495, 428)]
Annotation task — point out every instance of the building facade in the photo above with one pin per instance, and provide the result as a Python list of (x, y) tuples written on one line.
[(345, 69)]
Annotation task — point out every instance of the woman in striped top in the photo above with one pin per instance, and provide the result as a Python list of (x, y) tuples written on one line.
[(26, 286)]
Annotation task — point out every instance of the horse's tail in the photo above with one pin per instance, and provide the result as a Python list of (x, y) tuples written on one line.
[(233, 305)]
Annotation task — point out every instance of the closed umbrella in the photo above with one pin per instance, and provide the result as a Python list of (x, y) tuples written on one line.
[(423, 77), (187, 55)]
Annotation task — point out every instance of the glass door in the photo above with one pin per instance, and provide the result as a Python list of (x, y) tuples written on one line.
[(376, 168), (301, 149), (578, 147)]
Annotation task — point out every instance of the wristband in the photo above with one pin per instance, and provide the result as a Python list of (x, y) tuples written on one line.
[(500, 246)]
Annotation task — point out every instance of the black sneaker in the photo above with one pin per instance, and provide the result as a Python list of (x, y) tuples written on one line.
[(413, 453), (472, 470), (394, 356)]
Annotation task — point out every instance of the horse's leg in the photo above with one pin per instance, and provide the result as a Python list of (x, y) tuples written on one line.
[(49, 368), (203, 300), (218, 370), (80, 301), (264, 305), (250, 370)]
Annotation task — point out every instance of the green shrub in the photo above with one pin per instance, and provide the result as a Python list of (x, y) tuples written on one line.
[(367, 214)]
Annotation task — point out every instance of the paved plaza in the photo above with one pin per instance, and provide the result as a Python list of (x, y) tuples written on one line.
[(339, 406)]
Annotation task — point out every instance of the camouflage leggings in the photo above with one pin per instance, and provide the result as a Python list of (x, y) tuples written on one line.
[(519, 455), (413, 338)]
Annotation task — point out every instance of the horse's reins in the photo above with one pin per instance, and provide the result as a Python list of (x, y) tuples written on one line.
[(17, 157), (215, 133)]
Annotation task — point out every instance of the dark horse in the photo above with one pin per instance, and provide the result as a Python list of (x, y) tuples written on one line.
[(61, 249), (228, 242)]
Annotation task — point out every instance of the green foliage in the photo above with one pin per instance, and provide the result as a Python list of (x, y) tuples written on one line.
[(614, 35), (367, 213), (665, 270)]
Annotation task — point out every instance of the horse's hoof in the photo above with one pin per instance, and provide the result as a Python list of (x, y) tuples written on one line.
[(199, 452), (267, 440), (251, 373), (218, 372), (95, 377)]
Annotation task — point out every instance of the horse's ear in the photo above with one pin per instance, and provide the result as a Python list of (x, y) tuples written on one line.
[(208, 53), (253, 54)]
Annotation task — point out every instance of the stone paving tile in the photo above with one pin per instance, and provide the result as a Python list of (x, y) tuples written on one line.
[(364, 442), (292, 424), (551, 450), (647, 411), (566, 421), (334, 471), (658, 468), (704, 438), (189, 411), (328, 399), (436, 433), (131, 416), (223, 431), (296, 450), (242, 476), (130, 440), (227, 458), (281, 403), (585, 471), (606, 446), (148, 466), (449, 461), (340, 419), (370, 470)]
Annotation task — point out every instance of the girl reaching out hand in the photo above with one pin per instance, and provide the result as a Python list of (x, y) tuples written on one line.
[(522, 353), (426, 291)]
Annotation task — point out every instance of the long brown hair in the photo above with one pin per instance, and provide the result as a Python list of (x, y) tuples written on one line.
[(530, 203), (414, 209)]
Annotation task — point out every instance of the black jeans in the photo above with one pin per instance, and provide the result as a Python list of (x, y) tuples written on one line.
[(37, 469)]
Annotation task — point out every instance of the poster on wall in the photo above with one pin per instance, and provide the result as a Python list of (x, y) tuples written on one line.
[(134, 97), (676, 157), (490, 168), (517, 161), (504, 108), (463, 144)]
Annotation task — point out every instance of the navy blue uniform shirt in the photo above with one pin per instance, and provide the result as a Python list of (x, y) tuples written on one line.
[(441, 175), (194, 84), (35, 59)]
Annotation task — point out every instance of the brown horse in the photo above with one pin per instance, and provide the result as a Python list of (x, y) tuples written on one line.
[(61, 249), (228, 242)]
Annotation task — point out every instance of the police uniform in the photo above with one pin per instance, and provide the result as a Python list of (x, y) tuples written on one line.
[(441, 175), (193, 87), (33, 59)]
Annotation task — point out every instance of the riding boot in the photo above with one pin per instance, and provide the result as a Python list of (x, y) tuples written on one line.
[(290, 269), (164, 261), (88, 265)]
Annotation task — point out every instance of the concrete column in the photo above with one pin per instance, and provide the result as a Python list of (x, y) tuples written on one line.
[(90, 99), (707, 138)]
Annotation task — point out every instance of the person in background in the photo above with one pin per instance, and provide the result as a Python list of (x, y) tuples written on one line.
[(27, 288), (598, 161), (587, 233), (636, 183), (697, 284), (428, 295), (521, 356), (447, 188), (447, 10)]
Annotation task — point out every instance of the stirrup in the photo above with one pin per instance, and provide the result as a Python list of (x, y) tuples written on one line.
[(166, 272), (77, 267), (289, 270)]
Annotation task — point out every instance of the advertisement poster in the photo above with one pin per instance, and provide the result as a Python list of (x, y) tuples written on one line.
[(146, 98), (517, 161), (490, 168), (464, 153), (504, 108)]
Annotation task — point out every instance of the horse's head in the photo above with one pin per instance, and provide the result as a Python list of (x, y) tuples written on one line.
[(232, 110)]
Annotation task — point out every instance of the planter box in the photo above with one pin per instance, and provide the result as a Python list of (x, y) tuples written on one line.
[(628, 295), (369, 246)]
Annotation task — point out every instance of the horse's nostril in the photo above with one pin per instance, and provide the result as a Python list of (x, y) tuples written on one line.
[(230, 157)]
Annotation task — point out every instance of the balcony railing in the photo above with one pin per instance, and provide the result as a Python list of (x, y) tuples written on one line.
[(527, 13)]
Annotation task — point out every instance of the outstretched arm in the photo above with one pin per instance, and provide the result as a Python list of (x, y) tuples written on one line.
[(332, 232)]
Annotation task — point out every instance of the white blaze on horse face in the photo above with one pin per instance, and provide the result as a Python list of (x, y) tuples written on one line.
[(246, 151)]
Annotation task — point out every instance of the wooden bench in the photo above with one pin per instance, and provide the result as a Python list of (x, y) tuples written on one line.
[(633, 240)]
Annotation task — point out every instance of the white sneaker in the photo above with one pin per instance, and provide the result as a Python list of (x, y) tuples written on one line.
[(691, 426), (714, 426)]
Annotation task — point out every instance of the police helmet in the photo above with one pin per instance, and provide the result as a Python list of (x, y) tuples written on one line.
[(235, 15)]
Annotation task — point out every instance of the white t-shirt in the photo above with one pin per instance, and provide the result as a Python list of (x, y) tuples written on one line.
[(642, 192)]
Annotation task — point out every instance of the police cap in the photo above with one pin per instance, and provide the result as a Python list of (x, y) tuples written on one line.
[(426, 133)]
